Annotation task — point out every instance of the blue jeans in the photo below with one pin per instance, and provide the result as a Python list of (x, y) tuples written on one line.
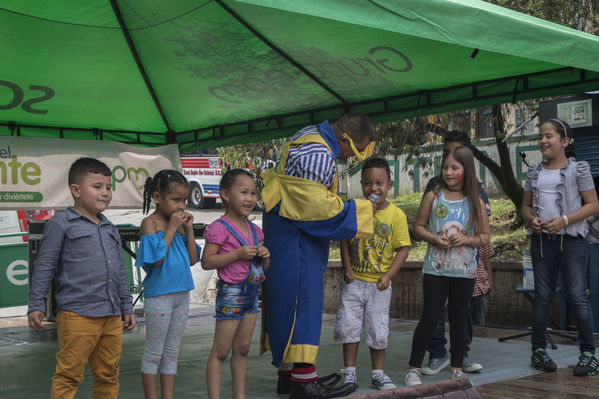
[(550, 254), (479, 309), (436, 349), (594, 282)]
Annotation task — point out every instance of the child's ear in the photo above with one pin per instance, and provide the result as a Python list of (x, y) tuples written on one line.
[(74, 188), (224, 194), (390, 184), (156, 197)]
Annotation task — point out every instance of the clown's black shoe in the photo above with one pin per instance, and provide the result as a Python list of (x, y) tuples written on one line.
[(315, 390), (326, 381)]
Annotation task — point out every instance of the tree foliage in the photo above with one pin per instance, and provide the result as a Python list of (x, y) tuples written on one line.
[(414, 136), (576, 14), (253, 155)]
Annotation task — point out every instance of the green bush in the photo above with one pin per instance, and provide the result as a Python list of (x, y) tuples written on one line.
[(507, 241)]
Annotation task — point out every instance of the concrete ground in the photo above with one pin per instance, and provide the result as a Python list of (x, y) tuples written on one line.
[(27, 359)]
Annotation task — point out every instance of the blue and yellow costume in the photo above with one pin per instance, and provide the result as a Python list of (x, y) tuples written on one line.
[(302, 215)]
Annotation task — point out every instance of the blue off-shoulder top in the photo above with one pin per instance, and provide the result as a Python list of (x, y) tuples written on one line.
[(174, 274)]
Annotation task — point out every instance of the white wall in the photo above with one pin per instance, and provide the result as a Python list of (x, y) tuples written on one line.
[(404, 183)]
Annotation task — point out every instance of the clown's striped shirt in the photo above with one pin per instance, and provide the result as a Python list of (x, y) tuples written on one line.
[(311, 161)]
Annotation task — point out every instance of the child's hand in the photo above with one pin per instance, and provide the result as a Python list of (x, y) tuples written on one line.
[(441, 242), (383, 283), (188, 224), (34, 319), (553, 226), (459, 239), (263, 251), (247, 252), (348, 276), (129, 320), (536, 224), (177, 219)]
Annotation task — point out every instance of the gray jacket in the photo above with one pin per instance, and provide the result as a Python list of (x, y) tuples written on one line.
[(575, 177)]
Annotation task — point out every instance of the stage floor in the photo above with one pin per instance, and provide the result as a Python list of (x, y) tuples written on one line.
[(27, 360)]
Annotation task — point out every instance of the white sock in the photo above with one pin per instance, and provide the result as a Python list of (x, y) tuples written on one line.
[(350, 368), (377, 371)]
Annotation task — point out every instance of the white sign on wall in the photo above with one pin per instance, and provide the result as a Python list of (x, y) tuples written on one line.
[(33, 171), (576, 113)]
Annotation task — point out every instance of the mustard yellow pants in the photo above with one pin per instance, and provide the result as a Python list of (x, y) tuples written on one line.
[(93, 340)]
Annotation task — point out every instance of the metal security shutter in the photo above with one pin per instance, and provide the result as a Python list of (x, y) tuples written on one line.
[(586, 144)]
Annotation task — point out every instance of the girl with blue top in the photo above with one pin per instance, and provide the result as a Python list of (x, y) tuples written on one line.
[(559, 195), (166, 251), (234, 248), (457, 225)]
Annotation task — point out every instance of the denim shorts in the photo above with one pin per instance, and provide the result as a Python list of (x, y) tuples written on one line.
[(233, 301)]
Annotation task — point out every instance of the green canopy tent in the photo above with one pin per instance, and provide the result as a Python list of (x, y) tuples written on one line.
[(213, 73)]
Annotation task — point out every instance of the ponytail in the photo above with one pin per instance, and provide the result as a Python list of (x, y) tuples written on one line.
[(160, 183), (147, 195)]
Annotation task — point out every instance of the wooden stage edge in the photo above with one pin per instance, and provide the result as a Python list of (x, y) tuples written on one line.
[(557, 385)]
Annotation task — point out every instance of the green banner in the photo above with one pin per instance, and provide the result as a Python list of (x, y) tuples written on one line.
[(14, 274), (20, 196)]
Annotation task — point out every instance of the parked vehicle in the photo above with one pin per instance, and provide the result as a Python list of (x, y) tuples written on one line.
[(203, 173)]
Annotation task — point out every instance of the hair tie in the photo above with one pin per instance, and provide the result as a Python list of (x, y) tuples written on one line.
[(561, 123)]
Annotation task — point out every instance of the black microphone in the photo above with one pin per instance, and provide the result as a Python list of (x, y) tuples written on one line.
[(523, 156)]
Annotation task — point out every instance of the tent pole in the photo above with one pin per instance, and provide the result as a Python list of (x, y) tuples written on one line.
[(170, 134)]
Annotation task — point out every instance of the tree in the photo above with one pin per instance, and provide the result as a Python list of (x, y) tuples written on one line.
[(253, 156), (415, 135)]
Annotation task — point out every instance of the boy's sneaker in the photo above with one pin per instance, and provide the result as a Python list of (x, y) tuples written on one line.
[(468, 366), (349, 375), (457, 373), (541, 361), (413, 378), (382, 382), (587, 365), (435, 365)]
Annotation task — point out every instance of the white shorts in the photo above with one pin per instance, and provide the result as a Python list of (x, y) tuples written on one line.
[(360, 304)]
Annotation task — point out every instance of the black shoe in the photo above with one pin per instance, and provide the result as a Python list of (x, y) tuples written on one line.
[(327, 382), (587, 365), (541, 361), (314, 390), (283, 384), (343, 390)]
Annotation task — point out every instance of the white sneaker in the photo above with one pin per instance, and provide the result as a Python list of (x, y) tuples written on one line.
[(435, 365), (382, 382), (457, 373), (469, 366), (349, 376), (413, 378)]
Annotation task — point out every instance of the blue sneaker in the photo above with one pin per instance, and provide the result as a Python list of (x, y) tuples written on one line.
[(468, 366), (381, 382), (435, 365)]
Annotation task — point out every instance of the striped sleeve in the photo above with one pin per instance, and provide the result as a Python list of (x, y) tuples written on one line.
[(311, 161)]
